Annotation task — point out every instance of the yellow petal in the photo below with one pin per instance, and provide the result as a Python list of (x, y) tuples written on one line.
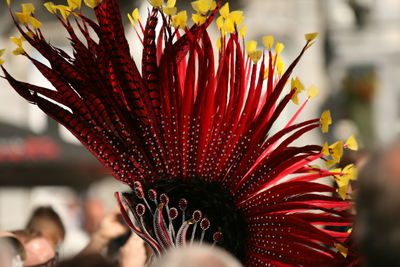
[(325, 149), (30, 34), (156, 3), (242, 31), (2, 52), (329, 163), (237, 17), (50, 7), (266, 73), (180, 20), (256, 55), (8, 2), (313, 91), (131, 20), (171, 3), (220, 23), (229, 26), (170, 11), (28, 9), (136, 15), (1, 61), (251, 46), (198, 19), (351, 172), (342, 191), (280, 66), (73, 4), (279, 48), (224, 11), (35, 23), (326, 120), (351, 143), (311, 36), (18, 51), (16, 40), (23, 17), (337, 150), (213, 5), (268, 41), (219, 44), (92, 3), (64, 10)]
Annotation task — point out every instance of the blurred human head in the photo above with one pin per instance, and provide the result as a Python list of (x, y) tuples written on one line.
[(39, 251), (197, 256), (377, 227), (12, 252), (48, 222)]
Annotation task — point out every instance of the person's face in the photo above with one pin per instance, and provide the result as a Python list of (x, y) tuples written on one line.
[(39, 253)]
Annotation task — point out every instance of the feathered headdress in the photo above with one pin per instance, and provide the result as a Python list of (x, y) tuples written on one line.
[(191, 130)]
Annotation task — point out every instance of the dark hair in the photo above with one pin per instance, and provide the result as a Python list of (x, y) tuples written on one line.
[(215, 203), (45, 214), (90, 260)]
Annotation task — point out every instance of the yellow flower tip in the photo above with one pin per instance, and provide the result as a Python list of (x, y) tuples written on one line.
[(203, 6), (180, 20), (36, 24), (279, 48), (280, 66), (256, 55), (30, 34), (251, 46), (170, 11), (229, 26), (268, 41), (28, 9), (64, 10), (8, 4), (219, 44), (92, 3), (336, 150), (199, 19), (311, 36), (156, 3), (342, 249), (326, 120), (351, 172), (171, 3), (342, 191), (325, 149), (50, 7), (313, 91), (2, 52), (242, 32), (266, 73), (17, 40), (224, 11), (237, 17), (351, 143), (74, 4), (131, 20), (22, 17), (18, 51), (136, 15), (1, 61)]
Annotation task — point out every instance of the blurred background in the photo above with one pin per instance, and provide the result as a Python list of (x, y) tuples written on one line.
[(355, 64)]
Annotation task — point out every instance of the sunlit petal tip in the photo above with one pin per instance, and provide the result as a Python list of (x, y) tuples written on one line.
[(256, 55), (155, 3), (342, 249), (251, 46), (136, 14), (326, 120), (171, 3), (268, 41), (50, 7), (74, 4), (180, 20), (92, 3), (313, 91), (311, 36), (224, 11), (279, 48), (8, 4), (199, 19), (351, 143), (170, 11)]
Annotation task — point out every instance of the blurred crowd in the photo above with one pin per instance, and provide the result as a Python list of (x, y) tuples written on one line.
[(111, 243)]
